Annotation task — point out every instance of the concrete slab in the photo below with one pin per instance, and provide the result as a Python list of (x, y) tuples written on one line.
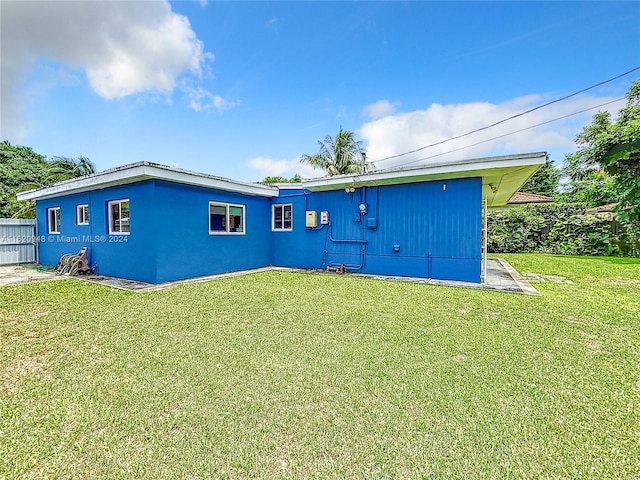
[(501, 277), (135, 286), (26, 273)]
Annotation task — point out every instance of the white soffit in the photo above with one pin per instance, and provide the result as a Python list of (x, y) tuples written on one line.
[(501, 176)]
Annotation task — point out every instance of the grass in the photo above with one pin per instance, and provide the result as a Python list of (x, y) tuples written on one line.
[(284, 375)]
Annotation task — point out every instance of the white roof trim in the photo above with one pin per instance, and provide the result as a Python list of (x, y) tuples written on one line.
[(435, 169), (501, 178), (146, 171)]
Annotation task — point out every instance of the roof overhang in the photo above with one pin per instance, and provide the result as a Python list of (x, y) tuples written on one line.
[(501, 176), (141, 171)]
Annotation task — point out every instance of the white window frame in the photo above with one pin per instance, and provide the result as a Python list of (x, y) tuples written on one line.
[(53, 227), (282, 206), (112, 231), (227, 222), (82, 214)]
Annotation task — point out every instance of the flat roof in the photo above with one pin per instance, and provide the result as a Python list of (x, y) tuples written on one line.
[(501, 178), (140, 171)]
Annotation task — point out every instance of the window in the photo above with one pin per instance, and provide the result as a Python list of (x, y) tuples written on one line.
[(282, 217), (119, 217), (226, 218), (53, 219), (82, 214)]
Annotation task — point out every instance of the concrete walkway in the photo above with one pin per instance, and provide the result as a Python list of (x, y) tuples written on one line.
[(501, 277)]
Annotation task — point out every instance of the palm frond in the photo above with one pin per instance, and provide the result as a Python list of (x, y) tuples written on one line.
[(338, 155)]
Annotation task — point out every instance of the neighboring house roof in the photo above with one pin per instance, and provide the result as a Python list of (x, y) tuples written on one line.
[(608, 208), (522, 197), (501, 178)]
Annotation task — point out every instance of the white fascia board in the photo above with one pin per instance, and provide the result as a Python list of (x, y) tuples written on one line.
[(501, 176), (145, 171), (453, 170)]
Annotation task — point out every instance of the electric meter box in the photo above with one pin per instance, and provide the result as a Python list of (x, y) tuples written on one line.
[(311, 219), (324, 218)]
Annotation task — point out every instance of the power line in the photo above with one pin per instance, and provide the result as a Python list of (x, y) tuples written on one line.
[(508, 118), (510, 133)]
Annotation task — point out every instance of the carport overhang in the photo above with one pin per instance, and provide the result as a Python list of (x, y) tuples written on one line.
[(501, 176)]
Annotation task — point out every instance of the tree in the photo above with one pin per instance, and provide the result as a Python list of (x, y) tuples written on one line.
[(20, 169), (614, 147), (63, 168), (295, 179), (23, 169), (544, 181), (339, 155), (595, 189), (577, 166)]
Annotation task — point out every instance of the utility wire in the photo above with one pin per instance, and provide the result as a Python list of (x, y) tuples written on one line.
[(508, 118), (506, 134)]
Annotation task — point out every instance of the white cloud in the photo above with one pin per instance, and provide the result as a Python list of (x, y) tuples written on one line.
[(201, 99), (269, 167), (380, 109), (124, 48), (403, 132)]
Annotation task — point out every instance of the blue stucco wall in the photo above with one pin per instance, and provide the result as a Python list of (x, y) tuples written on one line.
[(301, 247), (186, 249), (436, 230), (169, 238), (435, 226), (129, 256)]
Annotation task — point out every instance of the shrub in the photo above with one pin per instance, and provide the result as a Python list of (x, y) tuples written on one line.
[(559, 228)]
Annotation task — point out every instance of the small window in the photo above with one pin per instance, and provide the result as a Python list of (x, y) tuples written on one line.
[(226, 218), (119, 221), (53, 219), (82, 214), (282, 217)]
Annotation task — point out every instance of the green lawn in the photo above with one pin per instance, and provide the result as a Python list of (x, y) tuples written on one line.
[(285, 375)]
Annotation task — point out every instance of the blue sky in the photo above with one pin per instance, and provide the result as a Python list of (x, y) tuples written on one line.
[(242, 89)]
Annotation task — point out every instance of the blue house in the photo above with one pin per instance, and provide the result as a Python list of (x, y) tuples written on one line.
[(154, 223)]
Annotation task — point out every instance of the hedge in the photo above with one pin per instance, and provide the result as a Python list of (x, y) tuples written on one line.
[(559, 228)]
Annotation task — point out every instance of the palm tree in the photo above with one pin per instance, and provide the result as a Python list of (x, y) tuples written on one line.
[(339, 155), (56, 170), (63, 168)]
